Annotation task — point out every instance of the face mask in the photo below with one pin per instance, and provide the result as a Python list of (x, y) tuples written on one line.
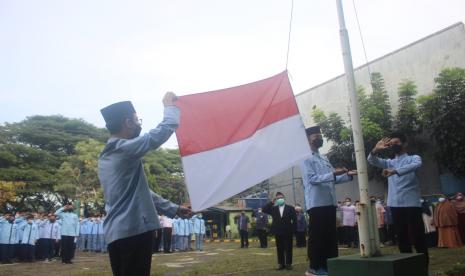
[(442, 199), (52, 220), (29, 221), (259, 211), (280, 201), (396, 148), (348, 203), (137, 131), (422, 200), (200, 216), (318, 143)]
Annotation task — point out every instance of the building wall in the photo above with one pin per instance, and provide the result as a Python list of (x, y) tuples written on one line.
[(420, 62)]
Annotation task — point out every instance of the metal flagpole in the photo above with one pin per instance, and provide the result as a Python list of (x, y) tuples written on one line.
[(369, 241)]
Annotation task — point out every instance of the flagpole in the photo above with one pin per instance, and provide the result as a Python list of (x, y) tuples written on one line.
[(369, 241)]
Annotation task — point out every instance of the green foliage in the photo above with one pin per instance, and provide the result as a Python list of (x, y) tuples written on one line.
[(380, 106), (376, 121), (444, 117), (77, 177), (56, 133), (407, 118), (33, 150)]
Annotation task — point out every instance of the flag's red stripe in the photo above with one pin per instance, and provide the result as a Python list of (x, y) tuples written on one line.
[(218, 118)]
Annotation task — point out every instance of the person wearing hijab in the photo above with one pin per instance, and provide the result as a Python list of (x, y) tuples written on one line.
[(131, 207), (459, 204), (428, 220), (445, 218)]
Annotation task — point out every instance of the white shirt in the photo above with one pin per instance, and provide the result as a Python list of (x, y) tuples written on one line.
[(281, 210), (167, 222)]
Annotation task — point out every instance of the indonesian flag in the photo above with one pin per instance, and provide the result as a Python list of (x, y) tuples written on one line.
[(232, 139)]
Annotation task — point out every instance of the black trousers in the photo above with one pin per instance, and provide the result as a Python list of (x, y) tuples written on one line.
[(7, 252), (67, 248), (167, 239), (349, 235), (40, 249), (284, 249), (48, 248), (27, 252), (244, 238), (131, 256), (409, 227), (157, 240), (322, 236), (262, 236), (300, 239)]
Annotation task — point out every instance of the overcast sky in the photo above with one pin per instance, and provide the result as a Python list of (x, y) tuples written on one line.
[(75, 57)]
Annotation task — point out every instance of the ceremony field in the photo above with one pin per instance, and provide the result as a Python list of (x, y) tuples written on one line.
[(216, 259)]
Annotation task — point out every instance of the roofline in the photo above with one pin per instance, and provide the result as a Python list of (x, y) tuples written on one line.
[(386, 55)]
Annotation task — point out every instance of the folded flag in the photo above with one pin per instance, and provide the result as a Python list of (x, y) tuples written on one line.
[(232, 139)]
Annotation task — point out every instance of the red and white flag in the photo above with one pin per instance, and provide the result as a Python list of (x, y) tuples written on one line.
[(232, 139)]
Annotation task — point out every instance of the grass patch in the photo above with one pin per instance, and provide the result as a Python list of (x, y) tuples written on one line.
[(219, 259)]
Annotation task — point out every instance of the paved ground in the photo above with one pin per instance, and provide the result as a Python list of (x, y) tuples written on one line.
[(217, 259)]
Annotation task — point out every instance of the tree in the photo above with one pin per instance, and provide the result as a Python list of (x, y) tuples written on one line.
[(380, 102), (32, 151), (407, 118), (8, 192), (443, 115), (77, 177), (56, 134)]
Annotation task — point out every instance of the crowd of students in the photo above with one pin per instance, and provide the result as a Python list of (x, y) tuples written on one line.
[(37, 236), (42, 237), (178, 234)]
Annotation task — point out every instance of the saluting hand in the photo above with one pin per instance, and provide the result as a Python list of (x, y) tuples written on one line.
[(381, 145)]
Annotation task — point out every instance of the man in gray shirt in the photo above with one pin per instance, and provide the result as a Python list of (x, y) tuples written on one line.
[(132, 208)]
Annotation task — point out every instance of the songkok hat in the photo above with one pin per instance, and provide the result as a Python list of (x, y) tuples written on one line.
[(312, 130), (115, 114)]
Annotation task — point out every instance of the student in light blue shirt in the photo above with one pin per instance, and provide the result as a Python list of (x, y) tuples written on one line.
[(175, 239), (96, 228), (101, 236), (319, 178), (8, 232), (403, 191), (29, 239), (199, 231), (69, 232), (130, 205), (87, 227), (19, 221)]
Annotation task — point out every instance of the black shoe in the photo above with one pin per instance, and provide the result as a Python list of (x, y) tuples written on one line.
[(281, 267), (289, 267)]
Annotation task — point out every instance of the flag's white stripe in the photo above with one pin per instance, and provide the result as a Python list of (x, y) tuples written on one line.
[(218, 174)]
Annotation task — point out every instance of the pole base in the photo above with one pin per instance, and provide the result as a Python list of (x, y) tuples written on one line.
[(386, 265)]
